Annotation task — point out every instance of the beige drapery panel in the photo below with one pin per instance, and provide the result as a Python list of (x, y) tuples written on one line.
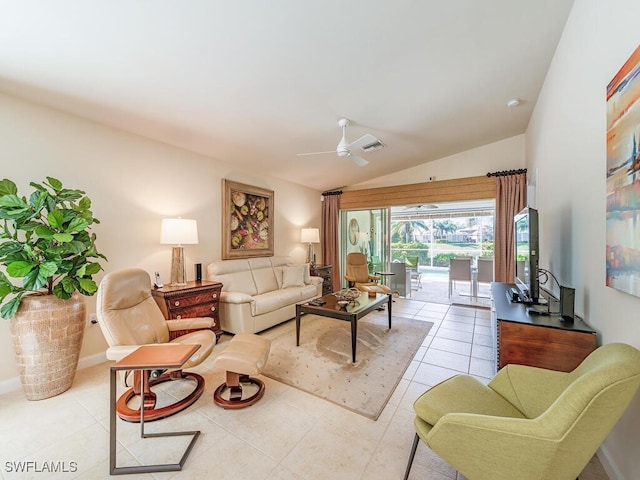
[(330, 239), (511, 197)]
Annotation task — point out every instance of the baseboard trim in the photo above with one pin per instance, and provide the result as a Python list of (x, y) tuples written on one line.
[(13, 384), (607, 464), (92, 360), (10, 385)]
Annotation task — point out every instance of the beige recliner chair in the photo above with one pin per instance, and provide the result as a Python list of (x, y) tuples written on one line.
[(129, 317), (528, 423), (357, 274)]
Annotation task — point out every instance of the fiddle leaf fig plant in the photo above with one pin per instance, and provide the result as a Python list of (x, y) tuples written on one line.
[(45, 241)]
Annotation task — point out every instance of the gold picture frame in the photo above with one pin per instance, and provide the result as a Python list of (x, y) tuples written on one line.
[(247, 221)]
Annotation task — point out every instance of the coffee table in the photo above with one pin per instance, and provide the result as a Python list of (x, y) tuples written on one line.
[(351, 313)]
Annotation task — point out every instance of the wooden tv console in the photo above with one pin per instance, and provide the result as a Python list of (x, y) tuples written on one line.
[(537, 340)]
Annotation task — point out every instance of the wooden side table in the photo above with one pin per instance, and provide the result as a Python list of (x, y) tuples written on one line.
[(148, 357), (196, 299), (325, 272)]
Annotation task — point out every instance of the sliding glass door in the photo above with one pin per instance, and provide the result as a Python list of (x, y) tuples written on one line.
[(367, 232)]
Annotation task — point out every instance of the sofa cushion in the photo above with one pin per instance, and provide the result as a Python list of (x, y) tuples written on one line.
[(308, 291), (268, 302), (235, 276), (263, 275), (281, 261), (265, 280), (293, 276), (307, 274)]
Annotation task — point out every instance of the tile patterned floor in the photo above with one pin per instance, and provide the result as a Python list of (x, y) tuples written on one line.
[(288, 435)]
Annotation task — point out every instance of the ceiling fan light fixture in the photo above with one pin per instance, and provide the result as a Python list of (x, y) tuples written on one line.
[(344, 146)]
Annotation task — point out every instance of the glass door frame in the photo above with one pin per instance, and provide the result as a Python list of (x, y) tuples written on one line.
[(365, 231)]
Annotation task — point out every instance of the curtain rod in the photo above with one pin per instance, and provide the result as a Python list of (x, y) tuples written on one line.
[(335, 192), (505, 173)]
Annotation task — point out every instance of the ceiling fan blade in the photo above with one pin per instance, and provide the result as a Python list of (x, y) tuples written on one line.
[(361, 162), (313, 153), (366, 139)]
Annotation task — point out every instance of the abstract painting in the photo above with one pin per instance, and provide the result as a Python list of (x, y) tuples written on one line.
[(623, 178)]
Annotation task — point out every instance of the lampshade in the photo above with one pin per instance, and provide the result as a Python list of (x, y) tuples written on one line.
[(310, 235), (178, 231)]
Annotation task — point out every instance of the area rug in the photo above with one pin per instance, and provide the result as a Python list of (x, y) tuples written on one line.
[(322, 365)]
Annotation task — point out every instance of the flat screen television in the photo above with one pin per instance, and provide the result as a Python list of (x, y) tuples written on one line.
[(526, 243)]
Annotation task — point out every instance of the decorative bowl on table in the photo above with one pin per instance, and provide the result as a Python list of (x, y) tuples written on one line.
[(347, 296)]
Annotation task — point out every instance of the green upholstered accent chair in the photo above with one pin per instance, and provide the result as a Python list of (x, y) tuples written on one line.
[(528, 423), (375, 265)]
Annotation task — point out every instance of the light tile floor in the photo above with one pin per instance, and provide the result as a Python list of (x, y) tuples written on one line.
[(288, 435)]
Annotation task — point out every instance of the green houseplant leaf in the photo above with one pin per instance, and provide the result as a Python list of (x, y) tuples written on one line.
[(45, 243)]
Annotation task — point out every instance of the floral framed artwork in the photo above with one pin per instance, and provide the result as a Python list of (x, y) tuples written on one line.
[(247, 221), (623, 178)]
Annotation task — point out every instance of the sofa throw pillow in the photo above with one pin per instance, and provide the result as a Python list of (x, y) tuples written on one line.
[(293, 276), (307, 274)]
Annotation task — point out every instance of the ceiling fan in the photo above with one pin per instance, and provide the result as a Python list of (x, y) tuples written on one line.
[(344, 147)]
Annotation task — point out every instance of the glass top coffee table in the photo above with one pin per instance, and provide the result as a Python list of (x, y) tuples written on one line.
[(352, 312)]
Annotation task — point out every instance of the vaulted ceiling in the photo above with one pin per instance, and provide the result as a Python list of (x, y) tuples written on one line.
[(256, 82)]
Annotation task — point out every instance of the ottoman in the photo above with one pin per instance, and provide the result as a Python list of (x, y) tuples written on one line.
[(245, 355)]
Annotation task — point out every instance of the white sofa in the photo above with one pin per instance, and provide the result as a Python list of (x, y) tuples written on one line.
[(258, 293)]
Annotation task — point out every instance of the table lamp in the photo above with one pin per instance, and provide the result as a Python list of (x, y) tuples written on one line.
[(178, 232), (310, 236)]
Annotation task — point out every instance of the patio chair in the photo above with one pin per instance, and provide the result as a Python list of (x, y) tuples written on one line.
[(460, 271), (485, 272), (414, 274), (398, 281), (375, 264)]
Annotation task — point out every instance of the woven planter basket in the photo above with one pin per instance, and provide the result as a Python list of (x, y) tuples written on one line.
[(47, 337)]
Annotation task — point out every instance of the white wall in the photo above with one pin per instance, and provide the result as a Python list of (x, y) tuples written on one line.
[(565, 144), (506, 154), (134, 183)]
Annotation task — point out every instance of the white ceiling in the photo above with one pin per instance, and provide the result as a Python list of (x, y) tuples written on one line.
[(254, 82)]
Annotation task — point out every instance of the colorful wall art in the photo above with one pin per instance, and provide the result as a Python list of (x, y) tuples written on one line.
[(247, 221), (623, 178)]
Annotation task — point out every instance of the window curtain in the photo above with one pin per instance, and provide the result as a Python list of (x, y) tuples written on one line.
[(511, 197), (330, 239)]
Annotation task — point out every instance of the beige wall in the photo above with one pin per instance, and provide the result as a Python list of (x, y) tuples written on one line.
[(565, 146), (134, 183), (503, 155)]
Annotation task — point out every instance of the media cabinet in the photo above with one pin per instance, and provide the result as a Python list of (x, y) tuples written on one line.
[(537, 340)]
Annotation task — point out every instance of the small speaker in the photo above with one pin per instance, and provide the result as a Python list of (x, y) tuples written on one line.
[(567, 300), (198, 272)]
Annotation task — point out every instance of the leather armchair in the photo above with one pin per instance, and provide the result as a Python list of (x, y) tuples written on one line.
[(528, 423), (357, 274), (129, 317)]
